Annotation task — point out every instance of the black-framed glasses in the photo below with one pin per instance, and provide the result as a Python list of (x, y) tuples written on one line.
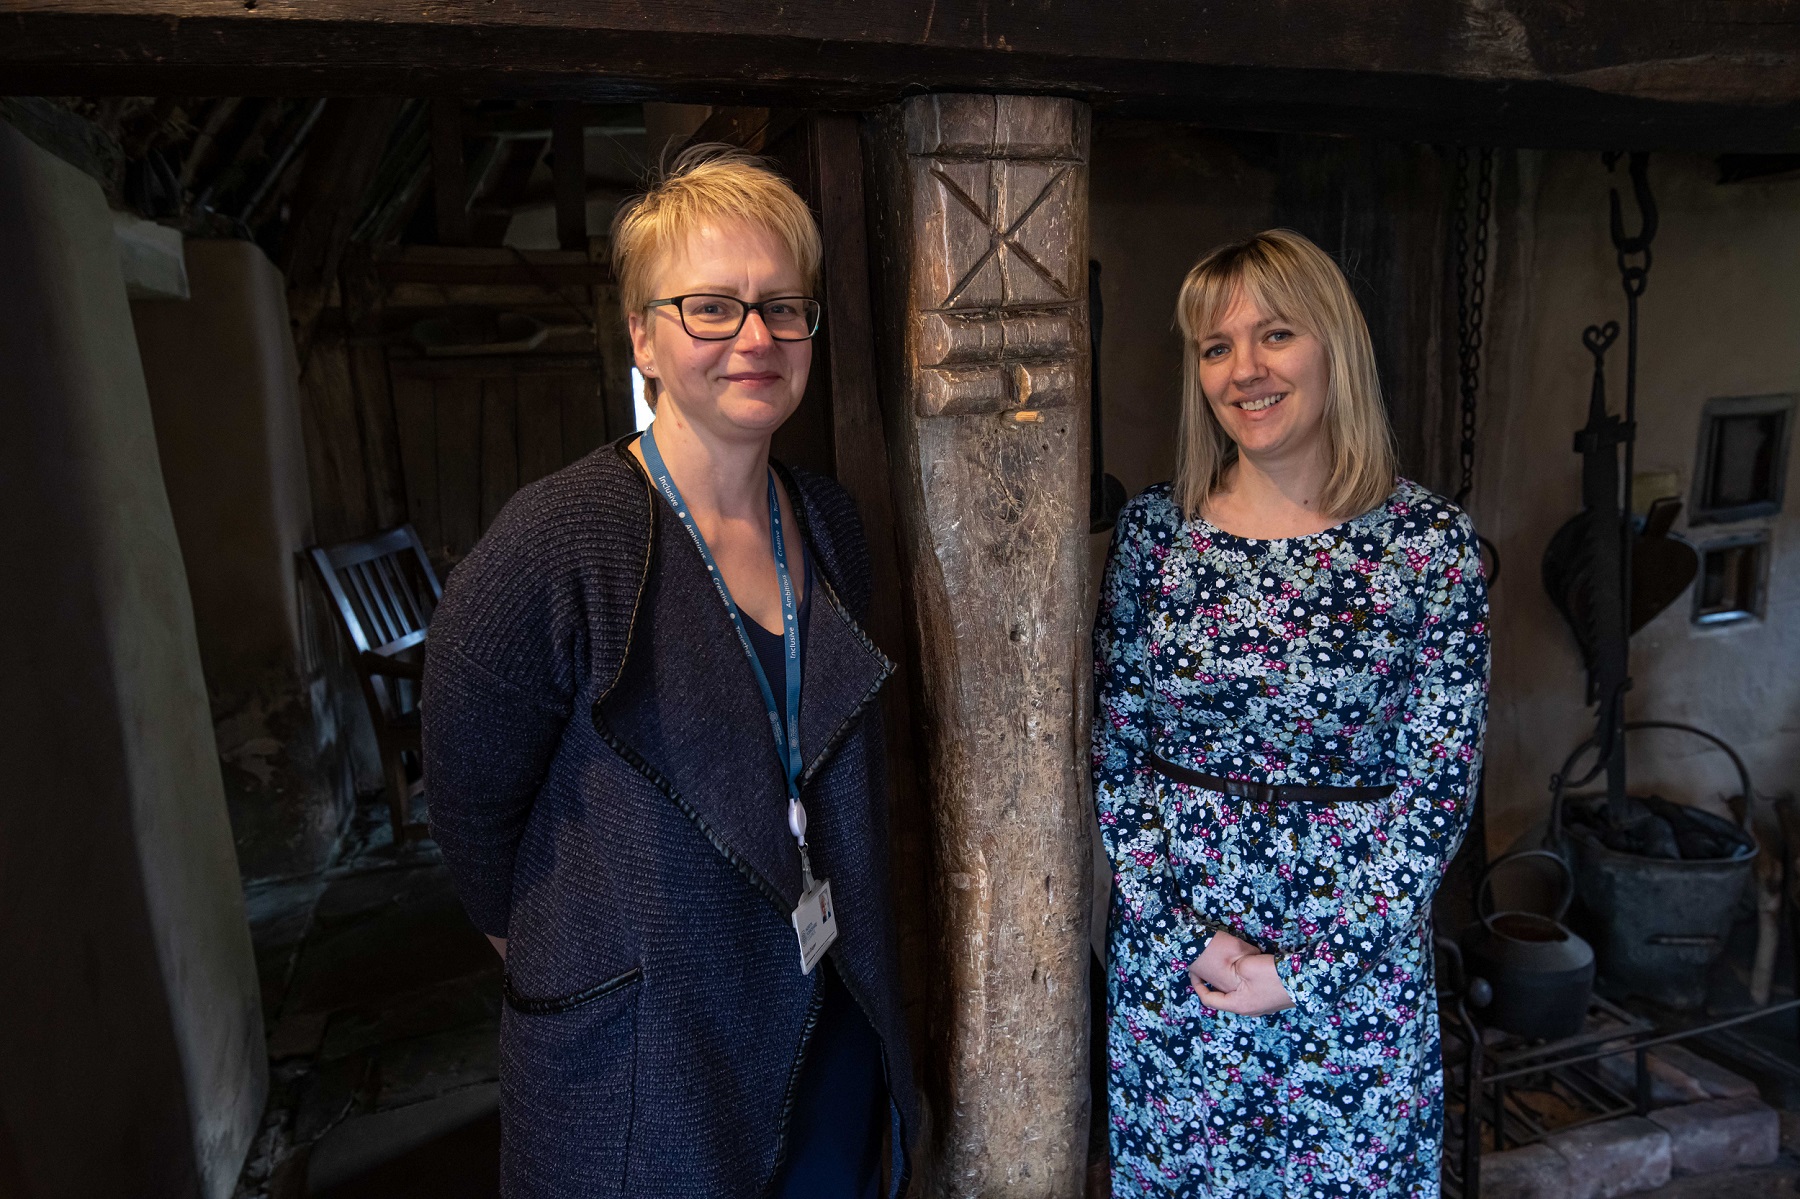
[(721, 318)]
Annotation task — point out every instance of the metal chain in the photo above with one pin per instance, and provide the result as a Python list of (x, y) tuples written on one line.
[(1471, 295)]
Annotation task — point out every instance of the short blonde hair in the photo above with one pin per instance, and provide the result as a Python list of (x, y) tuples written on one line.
[(707, 182), (1291, 278)]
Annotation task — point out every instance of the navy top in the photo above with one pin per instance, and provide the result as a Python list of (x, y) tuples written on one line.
[(834, 1133), (606, 794)]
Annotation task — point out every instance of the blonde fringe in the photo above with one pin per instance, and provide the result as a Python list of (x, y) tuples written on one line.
[(1290, 277), (707, 182)]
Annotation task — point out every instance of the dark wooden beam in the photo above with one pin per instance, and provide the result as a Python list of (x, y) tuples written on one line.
[(753, 127), (1723, 75), (493, 211), (860, 457), (449, 172), (568, 170), (342, 158)]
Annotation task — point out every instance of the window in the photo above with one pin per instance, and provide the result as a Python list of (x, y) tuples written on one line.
[(640, 407), (1743, 458), (1732, 576)]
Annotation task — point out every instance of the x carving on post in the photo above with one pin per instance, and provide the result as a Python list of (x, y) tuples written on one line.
[(1004, 238), (998, 293)]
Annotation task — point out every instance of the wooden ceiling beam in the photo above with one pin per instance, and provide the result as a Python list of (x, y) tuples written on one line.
[(534, 121), (1723, 75)]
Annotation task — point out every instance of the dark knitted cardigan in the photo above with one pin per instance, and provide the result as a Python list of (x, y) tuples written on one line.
[(603, 783)]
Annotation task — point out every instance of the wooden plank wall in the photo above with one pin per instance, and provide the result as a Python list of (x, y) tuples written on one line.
[(474, 431), (443, 442)]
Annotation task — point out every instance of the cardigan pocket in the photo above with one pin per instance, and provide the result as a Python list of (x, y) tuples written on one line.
[(527, 1005), (568, 1070)]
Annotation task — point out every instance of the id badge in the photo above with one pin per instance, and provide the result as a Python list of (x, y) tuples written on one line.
[(815, 923)]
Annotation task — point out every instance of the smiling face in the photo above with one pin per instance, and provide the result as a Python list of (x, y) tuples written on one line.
[(1266, 382), (736, 390)]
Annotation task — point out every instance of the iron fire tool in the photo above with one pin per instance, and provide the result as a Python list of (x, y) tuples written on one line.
[(1588, 564)]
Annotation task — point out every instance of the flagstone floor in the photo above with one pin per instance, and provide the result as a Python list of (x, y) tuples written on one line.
[(382, 1005)]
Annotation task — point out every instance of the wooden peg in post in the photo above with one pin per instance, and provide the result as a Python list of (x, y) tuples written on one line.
[(1024, 413)]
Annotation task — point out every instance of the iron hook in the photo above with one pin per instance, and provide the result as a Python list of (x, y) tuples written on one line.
[(1646, 203)]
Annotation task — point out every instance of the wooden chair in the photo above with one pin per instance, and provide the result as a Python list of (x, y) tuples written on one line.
[(386, 593)]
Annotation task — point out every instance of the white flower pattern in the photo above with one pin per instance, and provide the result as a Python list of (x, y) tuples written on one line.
[(1356, 656)]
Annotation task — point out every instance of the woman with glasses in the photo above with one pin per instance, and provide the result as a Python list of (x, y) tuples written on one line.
[(653, 761), (1291, 665)]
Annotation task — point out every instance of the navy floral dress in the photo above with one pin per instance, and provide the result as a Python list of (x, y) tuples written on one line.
[(1357, 656)]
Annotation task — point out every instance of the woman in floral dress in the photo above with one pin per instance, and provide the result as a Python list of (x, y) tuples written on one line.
[(1291, 659)]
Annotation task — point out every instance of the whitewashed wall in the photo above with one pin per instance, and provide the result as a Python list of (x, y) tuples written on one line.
[(1721, 317)]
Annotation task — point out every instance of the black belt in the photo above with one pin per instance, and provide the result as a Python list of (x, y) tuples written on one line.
[(1263, 792)]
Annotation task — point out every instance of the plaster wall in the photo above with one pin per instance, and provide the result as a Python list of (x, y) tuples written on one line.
[(1718, 319), (131, 1040), (225, 395)]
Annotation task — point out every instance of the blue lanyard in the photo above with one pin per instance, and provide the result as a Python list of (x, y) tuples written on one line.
[(787, 739)]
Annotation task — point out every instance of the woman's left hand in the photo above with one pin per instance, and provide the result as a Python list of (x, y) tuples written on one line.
[(1259, 991)]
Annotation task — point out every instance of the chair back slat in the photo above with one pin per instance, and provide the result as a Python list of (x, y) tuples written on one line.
[(420, 607), (422, 570), (368, 606), (401, 644), (385, 601), (407, 617), (385, 591)]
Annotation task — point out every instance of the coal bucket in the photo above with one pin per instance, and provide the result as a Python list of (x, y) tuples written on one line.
[(1657, 924)]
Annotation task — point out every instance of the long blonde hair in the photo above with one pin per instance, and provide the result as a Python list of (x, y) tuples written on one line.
[(1292, 279)]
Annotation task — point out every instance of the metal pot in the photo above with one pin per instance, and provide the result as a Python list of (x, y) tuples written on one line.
[(1660, 925), (1541, 973)]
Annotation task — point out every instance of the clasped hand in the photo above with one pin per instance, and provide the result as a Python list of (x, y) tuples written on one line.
[(1235, 976)]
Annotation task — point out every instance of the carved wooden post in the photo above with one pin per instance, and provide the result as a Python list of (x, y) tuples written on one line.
[(983, 212)]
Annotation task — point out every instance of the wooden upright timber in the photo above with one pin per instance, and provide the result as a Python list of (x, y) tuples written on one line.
[(1705, 74), (983, 213)]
